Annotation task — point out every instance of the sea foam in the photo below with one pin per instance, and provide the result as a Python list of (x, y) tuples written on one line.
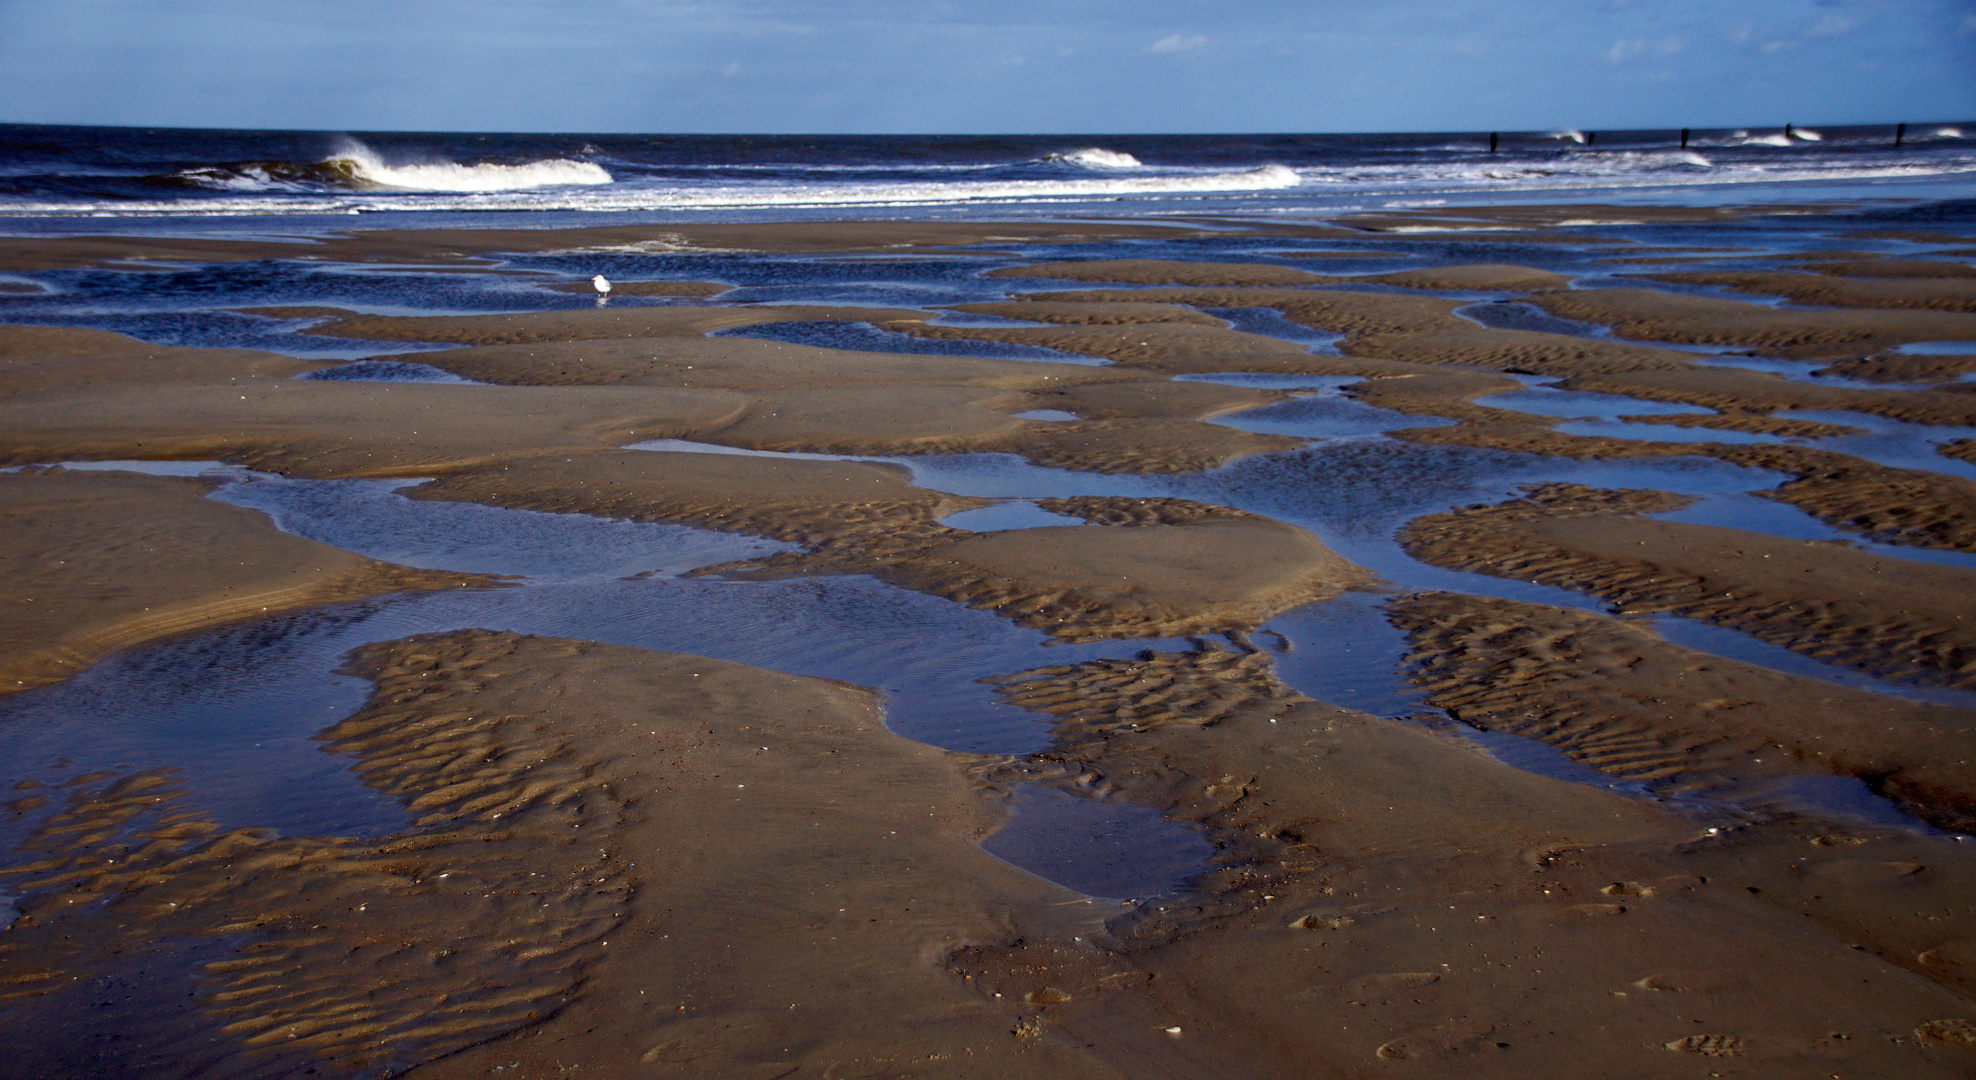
[(363, 167), (1097, 157)]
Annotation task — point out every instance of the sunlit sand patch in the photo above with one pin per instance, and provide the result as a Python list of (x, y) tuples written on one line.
[(99, 561)]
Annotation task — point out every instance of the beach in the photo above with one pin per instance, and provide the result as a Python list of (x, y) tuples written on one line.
[(1503, 638)]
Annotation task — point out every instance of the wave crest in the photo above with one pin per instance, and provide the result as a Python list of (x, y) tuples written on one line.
[(356, 166), (1097, 157), (362, 167)]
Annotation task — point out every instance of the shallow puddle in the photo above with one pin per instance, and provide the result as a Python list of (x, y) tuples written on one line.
[(1842, 798), (1325, 415), (388, 371), (1109, 850), (1938, 348), (1269, 322), (1808, 372), (1013, 514), (1892, 443), (1270, 380), (1512, 315)]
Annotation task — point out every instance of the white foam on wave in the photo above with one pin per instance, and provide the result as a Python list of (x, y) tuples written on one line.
[(1946, 133), (1744, 138), (1567, 133), (1632, 161), (1573, 168), (794, 194), (363, 166), (1807, 135), (1097, 157), (248, 178)]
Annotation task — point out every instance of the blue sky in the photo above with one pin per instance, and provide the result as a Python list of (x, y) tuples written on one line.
[(1012, 66)]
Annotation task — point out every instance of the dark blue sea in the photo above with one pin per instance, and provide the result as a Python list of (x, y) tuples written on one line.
[(49, 172)]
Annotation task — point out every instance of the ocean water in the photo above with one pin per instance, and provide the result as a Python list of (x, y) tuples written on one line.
[(48, 171)]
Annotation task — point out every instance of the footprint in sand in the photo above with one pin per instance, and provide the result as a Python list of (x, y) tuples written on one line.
[(1960, 953), (1689, 981), (1954, 1031), (1709, 1045), (1448, 1037)]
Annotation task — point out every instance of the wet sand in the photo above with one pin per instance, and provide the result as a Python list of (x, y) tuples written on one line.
[(1579, 845), (100, 561)]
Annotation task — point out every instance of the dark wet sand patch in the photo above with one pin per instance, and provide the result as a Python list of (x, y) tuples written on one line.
[(1613, 695), (1123, 312), (1886, 616), (742, 363), (1166, 272), (1892, 268), (1647, 314), (1903, 368), (1382, 326), (583, 324), (1730, 389), (1933, 292)]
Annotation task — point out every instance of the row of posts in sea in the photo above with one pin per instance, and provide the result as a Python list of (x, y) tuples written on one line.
[(1591, 138)]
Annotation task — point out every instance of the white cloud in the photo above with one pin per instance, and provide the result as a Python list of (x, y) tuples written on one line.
[(1830, 26), (1632, 48), (1968, 25), (1175, 43)]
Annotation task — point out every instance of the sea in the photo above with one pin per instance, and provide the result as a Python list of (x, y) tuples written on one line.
[(54, 174)]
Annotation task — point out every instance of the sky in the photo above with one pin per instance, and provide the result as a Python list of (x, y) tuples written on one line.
[(1039, 66)]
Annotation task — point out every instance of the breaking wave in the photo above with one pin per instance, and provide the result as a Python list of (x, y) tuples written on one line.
[(1097, 157), (364, 167), (354, 165), (1744, 138)]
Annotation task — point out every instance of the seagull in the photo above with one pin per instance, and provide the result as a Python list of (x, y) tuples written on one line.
[(601, 283)]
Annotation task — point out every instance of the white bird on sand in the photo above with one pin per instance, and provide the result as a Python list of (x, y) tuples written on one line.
[(601, 283)]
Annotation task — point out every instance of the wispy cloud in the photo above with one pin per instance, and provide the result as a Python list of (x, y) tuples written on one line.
[(1634, 48), (1178, 43), (1830, 26)]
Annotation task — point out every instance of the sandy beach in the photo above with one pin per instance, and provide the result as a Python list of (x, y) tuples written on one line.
[(1542, 638)]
